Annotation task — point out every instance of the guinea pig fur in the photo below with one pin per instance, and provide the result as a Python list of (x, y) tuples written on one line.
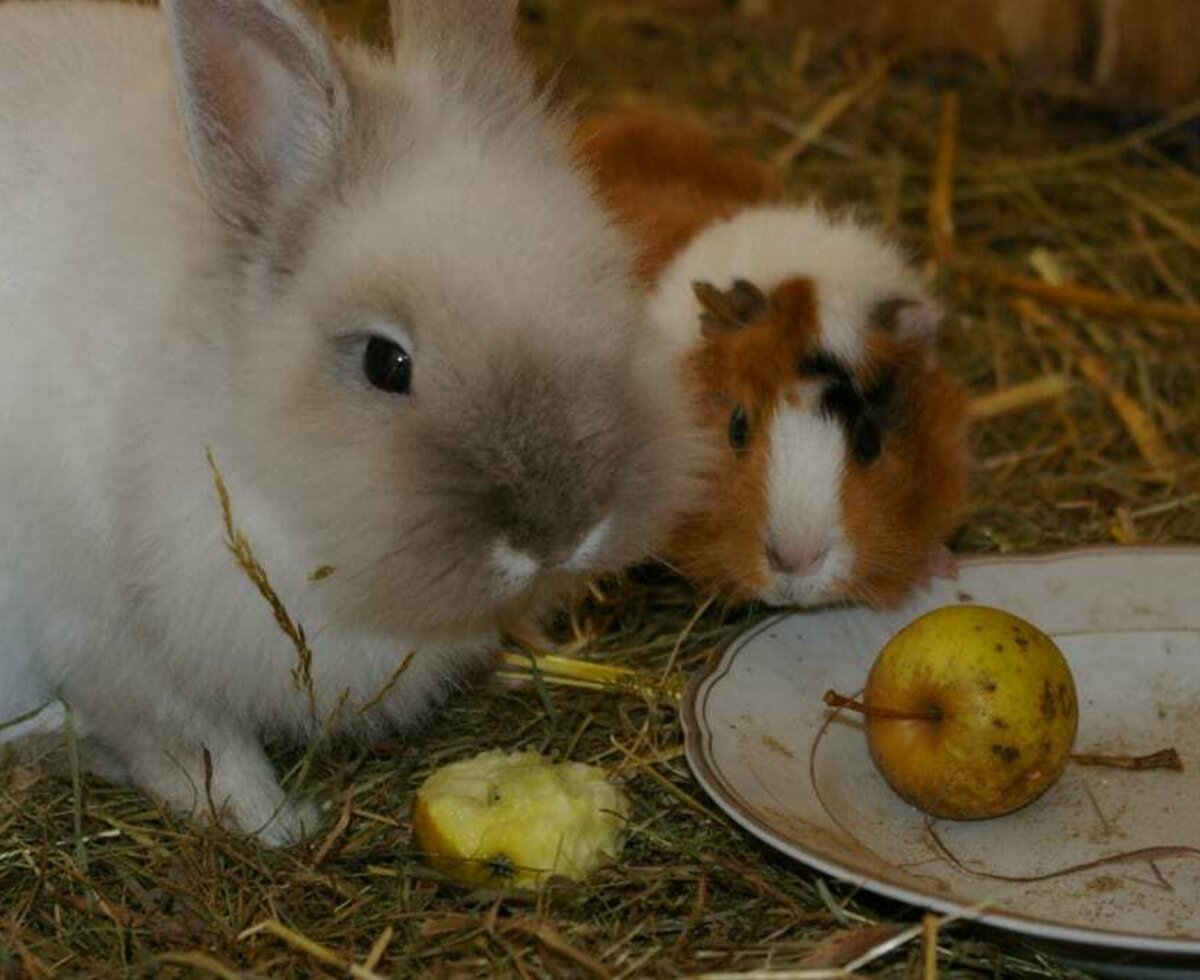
[(380, 291), (808, 343)]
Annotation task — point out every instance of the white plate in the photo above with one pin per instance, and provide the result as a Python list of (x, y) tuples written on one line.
[(1128, 620)]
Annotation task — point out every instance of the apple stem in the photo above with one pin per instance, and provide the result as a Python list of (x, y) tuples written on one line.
[(1163, 759), (835, 700)]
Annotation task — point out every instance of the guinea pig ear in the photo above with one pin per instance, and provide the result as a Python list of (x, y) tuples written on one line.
[(908, 319), (727, 310), (263, 101), (470, 44)]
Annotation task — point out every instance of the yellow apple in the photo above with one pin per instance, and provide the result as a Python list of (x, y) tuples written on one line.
[(971, 712), (514, 819)]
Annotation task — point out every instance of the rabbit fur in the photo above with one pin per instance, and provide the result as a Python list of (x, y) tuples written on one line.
[(204, 218)]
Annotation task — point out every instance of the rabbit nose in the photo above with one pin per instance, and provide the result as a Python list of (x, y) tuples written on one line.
[(790, 559), (590, 546), (573, 553)]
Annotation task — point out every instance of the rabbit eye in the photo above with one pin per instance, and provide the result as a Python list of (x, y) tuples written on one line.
[(739, 429), (388, 366)]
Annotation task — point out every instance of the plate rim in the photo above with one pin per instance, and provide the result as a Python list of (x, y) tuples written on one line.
[(697, 737)]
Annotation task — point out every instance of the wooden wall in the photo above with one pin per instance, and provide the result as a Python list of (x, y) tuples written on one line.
[(1142, 53)]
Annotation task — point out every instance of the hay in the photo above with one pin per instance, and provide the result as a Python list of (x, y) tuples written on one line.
[(1089, 431)]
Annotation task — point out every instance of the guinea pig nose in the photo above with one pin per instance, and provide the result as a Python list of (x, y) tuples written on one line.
[(794, 559)]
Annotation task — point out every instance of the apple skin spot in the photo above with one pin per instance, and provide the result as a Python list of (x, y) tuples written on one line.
[(1049, 708)]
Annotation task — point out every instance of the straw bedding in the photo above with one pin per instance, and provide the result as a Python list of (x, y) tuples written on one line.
[(1068, 249)]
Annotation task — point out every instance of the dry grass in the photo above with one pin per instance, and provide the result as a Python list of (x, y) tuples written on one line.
[(1070, 253)]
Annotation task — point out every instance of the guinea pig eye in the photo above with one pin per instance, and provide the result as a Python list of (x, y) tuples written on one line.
[(388, 366), (866, 442), (739, 429)]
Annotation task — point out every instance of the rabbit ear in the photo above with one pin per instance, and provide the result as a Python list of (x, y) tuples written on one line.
[(263, 101), (471, 43)]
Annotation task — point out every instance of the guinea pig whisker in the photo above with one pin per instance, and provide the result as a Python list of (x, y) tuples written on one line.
[(860, 591), (885, 550), (881, 563)]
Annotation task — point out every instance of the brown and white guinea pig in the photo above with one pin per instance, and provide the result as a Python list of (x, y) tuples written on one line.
[(842, 463)]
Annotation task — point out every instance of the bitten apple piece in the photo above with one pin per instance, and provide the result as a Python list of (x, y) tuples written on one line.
[(515, 819)]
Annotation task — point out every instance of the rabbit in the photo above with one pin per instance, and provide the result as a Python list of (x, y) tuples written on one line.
[(808, 344), (379, 291)]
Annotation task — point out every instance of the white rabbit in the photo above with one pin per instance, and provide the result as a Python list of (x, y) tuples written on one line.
[(381, 294)]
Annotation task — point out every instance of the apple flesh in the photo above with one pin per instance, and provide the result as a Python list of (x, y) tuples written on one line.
[(515, 819), (971, 712)]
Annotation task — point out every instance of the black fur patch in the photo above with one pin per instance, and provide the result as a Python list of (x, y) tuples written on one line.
[(823, 364), (864, 415)]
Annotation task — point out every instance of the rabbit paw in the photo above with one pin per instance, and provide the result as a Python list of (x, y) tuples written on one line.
[(228, 780), (290, 824)]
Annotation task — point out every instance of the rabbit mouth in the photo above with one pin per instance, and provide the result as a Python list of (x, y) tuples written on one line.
[(514, 570), (517, 570)]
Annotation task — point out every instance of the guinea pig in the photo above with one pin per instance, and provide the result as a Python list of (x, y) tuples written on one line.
[(378, 289), (808, 344)]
